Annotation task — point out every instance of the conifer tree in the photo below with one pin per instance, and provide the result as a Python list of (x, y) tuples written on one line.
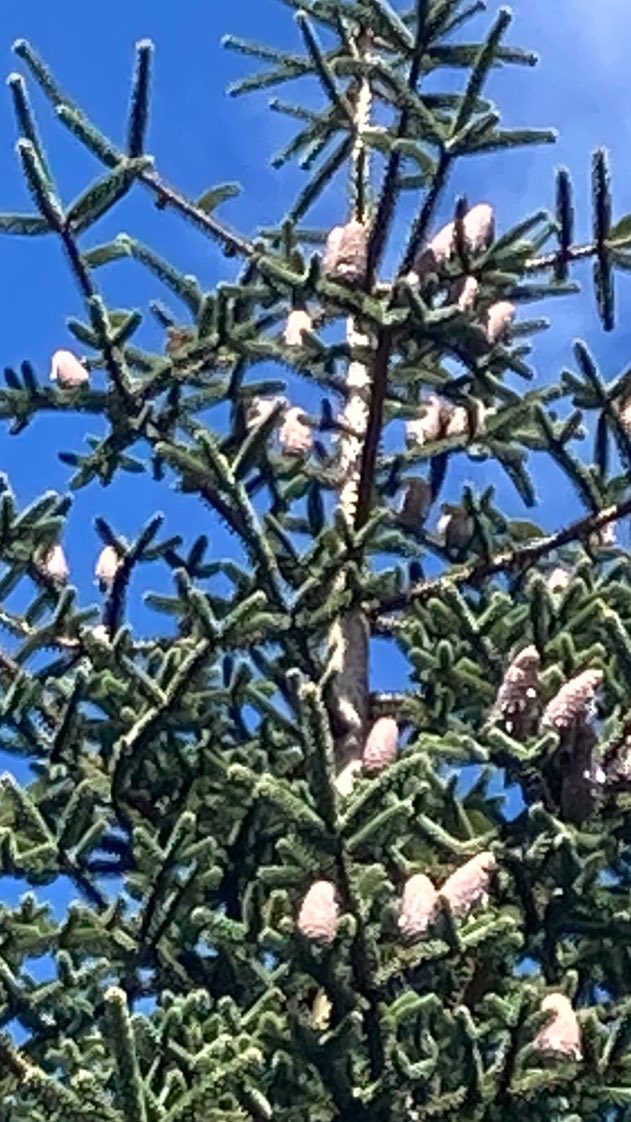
[(287, 905)]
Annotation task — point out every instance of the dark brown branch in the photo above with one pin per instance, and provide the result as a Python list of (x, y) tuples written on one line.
[(512, 560)]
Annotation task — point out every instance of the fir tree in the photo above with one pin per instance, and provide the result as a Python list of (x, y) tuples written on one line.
[(316, 920)]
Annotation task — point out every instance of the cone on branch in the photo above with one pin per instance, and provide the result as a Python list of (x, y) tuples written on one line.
[(56, 565), (498, 320), (417, 500), (562, 1035), (295, 437), (298, 323), (68, 371), (558, 580), (318, 917), (418, 906), (468, 887), (381, 747), (260, 408), (455, 527), (575, 703), (478, 227), (346, 252), (518, 692), (430, 427), (107, 566), (464, 293)]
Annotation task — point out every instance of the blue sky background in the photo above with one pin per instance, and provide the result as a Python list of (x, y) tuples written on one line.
[(199, 138)]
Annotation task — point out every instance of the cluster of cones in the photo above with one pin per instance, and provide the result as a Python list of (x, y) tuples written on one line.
[(55, 565)]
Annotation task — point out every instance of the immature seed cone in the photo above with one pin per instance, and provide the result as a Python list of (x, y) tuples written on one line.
[(498, 320), (455, 527), (298, 321), (56, 565), (345, 779), (429, 427), (436, 253), (562, 1035), (518, 689), (418, 906), (68, 371), (559, 579), (260, 408), (464, 293), (346, 252), (381, 745), (575, 702), (479, 227), (106, 566), (605, 537), (318, 917), (416, 503), (296, 438), (468, 887)]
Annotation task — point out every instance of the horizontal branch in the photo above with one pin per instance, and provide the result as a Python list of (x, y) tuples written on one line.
[(510, 561)]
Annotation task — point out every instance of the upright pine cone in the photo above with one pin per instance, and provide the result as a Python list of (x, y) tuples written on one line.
[(559, 579), (418, 906), (464, 293), (68, 371), (429, 427), (107, 566), (318, 917), (562, 1035), (346, 253), (295, 437), (381, 745), (468, 887), (498, 320), (574, 704), (479, 227), (416, 503), (56, 565), (260, 408), (298, 322), (518, 692)]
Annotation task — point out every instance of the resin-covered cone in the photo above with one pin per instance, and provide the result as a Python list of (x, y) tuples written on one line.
[(468, 887), (298, 322), (107, 566), (519, 686), (318, 917), (562, 1035), (418, 906), (575, 702), (381, 745), (56, 565), (498, 320), (429, 427), (346, 252), (295, 437), (67, 370)]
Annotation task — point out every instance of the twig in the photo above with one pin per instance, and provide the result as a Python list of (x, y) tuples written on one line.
[(514, 559)]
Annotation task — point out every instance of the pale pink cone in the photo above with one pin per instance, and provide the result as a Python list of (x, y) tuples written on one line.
[(298, 321), (296, 438), (416, 503), (381, 745), (464, 293), (429, 427), (107, 565), (562, 1035), (68, 371), (418, 906), (574, 702), (260, 408), (318, 917), (498, 320), (519, 684), (345, 779), (468, 887), (436, 253), (346, 251), (479, 227), (56, 565), (458, 423), (559, 579), (605, 537)]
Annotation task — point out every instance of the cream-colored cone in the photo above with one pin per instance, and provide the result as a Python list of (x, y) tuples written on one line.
[(68, 371)]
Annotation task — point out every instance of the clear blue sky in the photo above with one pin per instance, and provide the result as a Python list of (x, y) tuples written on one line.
[(199, 137)]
